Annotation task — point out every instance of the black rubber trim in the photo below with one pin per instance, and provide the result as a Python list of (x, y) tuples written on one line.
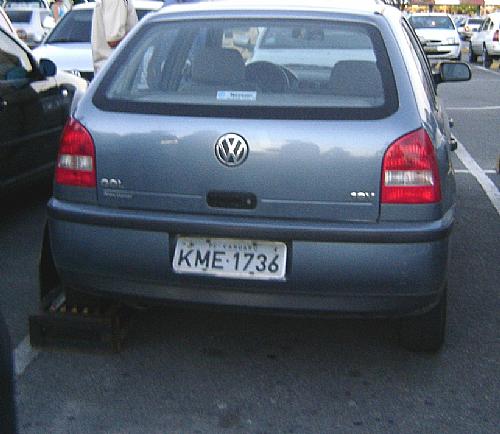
[(257, 228)]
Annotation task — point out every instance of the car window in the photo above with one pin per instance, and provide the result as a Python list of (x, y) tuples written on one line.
[(76, 26), (14, 61), (305, 38), (256, 64), (17, 16), (432, 22)]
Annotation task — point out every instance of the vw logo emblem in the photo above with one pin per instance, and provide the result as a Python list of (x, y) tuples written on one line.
[(231, 149)]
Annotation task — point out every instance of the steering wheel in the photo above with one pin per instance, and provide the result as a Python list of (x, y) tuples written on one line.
[(268, 76)]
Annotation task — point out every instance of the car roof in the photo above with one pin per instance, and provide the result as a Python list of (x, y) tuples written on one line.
[(358, 6), (431, 14), (138, 4)]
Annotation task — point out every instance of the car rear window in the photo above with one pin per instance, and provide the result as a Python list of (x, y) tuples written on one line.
[(19, 16), (253, 68)]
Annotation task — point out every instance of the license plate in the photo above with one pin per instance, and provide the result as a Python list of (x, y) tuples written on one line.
[(233, 258)]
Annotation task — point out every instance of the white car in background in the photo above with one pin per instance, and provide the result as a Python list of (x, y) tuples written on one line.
[(68, 45), (438, 35), (31, 23), (486, 42)]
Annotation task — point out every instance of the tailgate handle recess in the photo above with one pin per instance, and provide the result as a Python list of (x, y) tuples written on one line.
[(231, 199)]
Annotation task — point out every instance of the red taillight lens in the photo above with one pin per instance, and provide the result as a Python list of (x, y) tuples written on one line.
[(76, 159), (496, 36), (410, 171)]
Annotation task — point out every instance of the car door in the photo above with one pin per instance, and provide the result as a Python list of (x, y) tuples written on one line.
[(478, 39), (30, 114), (488, 37)]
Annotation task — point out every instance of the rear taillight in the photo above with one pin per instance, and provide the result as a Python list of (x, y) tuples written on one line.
[(76, 159), (496, 36), (410, 172)]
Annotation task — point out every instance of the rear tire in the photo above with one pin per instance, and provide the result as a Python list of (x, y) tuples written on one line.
[(472, 56), (486, 58), (426, 332)]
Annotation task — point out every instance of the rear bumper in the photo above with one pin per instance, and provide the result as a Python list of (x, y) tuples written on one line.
[(355, 269)]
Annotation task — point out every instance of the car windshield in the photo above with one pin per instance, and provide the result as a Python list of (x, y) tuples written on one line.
[(17, 16), (477, 21), (76, 26), (431, 22), (256, 64)]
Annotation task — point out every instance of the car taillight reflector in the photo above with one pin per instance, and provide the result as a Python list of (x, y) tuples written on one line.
[(496, 36), (76, 159), (410, 172)]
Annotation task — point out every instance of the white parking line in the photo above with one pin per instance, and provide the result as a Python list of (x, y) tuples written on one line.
[(486, 183), (491, 107), (482, 68), (24, 354), (488, 171)]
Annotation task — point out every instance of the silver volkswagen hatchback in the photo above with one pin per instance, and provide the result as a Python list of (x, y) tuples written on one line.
[(291, 156)]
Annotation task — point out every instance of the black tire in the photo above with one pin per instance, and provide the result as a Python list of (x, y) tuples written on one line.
[(426, 332), (486, 59), (472, 56)]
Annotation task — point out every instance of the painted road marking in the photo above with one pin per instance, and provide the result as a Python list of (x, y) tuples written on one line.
[(486, 183), (482, 68), (24, 354), (491, 107), (487, 171)]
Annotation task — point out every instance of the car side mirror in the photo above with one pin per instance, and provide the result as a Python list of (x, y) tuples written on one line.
[(47, 68), (48, 22), (452, 71)]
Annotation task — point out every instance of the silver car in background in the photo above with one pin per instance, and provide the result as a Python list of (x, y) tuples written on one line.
[(438, 35), (198, 170)]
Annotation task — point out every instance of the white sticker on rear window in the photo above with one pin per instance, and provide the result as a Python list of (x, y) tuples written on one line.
[(235, 95)]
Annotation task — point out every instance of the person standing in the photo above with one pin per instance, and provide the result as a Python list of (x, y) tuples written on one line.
[(111, 21), (58, 10)]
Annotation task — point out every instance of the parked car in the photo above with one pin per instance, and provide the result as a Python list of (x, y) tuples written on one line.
[(31, 23), (438, 35), (183, 176), (68, 45), (23, 3), (34, 104), (486, 42), (471, 25), (5, 22)]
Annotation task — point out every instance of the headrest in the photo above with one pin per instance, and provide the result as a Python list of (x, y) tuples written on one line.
[(218, 66), (358, 78)]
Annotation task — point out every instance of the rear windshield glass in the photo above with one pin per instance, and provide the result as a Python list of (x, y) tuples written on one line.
[(431, 22), (19, 16), (76, 27), (253, 68)]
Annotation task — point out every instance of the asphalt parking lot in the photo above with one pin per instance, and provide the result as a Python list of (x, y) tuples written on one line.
[(190, 371)]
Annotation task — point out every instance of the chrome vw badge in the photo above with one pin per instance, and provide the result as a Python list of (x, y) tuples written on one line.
[(231, 149)]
